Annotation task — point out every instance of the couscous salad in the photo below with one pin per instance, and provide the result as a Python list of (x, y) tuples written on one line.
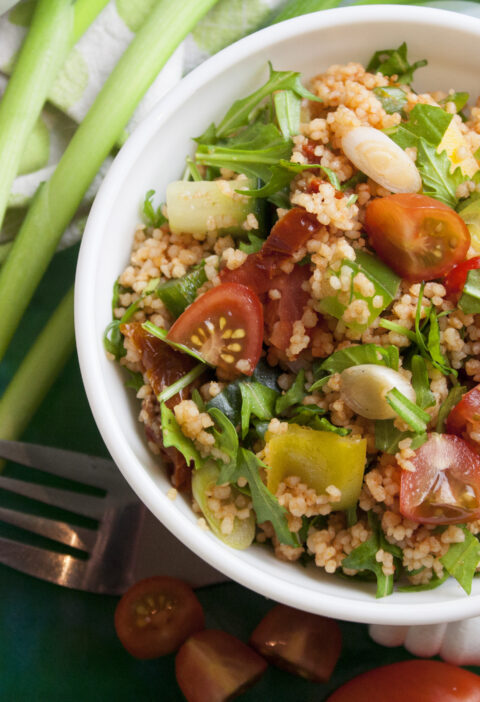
[(301, 323)]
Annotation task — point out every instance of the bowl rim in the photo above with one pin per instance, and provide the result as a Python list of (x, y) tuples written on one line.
[(224, 559)]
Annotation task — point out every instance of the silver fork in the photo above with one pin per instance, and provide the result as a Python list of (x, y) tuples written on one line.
[(110, 548)]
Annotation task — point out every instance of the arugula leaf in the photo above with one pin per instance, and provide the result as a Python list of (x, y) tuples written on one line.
[(181, 383), (305, 414), (387, 437), (243, 110), (385, 283), (258, 400), (178, 293), (135, 380), (363, 558), (265, 504), (112, 336), (434, 168), (452, 399), (458, 99), (152, 217), (293, 396), (198, 399), (287, 109), (427, 122), (421, 383), (470, 299), (254, 245), (391, 98), (461, 560), (413, 415), (352, 182), (431, 585), (173, 436), (162, 334), (360, 354), (226, 439), (392, 62), (323, 424)]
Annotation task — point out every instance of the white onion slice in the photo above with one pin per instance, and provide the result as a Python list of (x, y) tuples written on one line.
[(364, 389), (374, 153)]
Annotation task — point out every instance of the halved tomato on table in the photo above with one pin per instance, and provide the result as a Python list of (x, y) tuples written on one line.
[(156, 615), (418, 237), (444, 488), (225, 326), (213, 666), (304, 644)]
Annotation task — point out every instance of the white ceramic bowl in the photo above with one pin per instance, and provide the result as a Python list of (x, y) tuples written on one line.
[(153, 156)]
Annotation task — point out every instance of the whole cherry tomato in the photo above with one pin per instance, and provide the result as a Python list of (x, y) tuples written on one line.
[(418, 237)]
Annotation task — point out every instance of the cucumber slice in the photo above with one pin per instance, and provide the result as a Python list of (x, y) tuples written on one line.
[(243, 529), (196, 207)]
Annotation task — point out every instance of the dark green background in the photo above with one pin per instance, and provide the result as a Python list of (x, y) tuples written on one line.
[(59, 645)]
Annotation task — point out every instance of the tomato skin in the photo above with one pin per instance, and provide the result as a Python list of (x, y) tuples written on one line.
[(402, 228), (229, 308), (457, 277), (282, 313), (213, 666), (411, 681), (445, 486), (466, 414), (164, 629), (288, 234), (302, 643)]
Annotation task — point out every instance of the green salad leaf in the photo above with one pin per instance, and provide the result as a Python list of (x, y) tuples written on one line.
[(177, 293), (254, 245), (452, 399), (226, 438), (427, 122), (392, 62), (421, 383), (257, 400), (414, 416), (431, 585), (391, 98), (294, 394), (461, 560), (470, 299), (287, 110), (173, 436), (458, 99), (387, 437), (152, 216), (181, 383), (360, 354)]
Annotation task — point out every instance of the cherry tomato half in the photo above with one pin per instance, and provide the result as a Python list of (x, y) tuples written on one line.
[(213, 666), (302, 643), (156, 615), (225, 326), (418, 237), (445, 486), (411, 681), (457, 277), (465, 417)]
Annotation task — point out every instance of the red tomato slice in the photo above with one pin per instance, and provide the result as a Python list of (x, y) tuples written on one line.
[(282, 313), (302, 643), (213, 666), (445, 486), (411, 681), (457, 277), (290, 233), (156, 615), (225, 326), (418, 237), (466, 415)]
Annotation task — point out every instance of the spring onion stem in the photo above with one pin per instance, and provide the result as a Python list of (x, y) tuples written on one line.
[(5, 250), (295, 8), (43, 52), (38, 371), (56, 201), (85, 12)]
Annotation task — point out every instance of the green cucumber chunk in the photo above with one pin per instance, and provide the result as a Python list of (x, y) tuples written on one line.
[(243, 532), (196, 207)]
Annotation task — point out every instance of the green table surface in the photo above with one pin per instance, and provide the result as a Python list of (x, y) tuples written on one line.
[(59, 645)]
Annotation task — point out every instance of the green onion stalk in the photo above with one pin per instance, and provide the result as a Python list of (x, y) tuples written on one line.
[(56, 25), (38, 371), (56, 201)]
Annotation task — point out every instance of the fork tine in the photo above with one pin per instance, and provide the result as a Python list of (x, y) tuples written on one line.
[(86, 505), (92, 470), (76, 537), (55, 567)]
